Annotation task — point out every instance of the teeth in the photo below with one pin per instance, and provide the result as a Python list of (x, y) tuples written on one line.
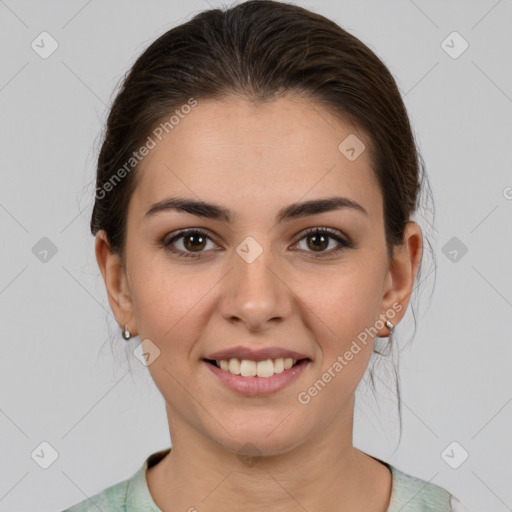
[(278, 365), (248, 368), (234, 366)]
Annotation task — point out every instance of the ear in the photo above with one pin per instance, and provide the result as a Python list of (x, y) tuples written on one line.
[(401, 274), (116, 283)]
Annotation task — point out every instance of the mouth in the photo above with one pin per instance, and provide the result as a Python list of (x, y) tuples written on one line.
[(256, 378), (263, 369)]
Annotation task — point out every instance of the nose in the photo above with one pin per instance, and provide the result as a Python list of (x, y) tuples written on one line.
[(255, 293)]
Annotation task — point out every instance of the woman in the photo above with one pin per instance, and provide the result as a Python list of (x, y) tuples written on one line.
[(253, 208)]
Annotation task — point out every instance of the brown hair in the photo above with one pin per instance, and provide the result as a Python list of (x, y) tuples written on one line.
[(261, 49)]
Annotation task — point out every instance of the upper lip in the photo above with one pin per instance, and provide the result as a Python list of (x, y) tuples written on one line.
[(254, 354)]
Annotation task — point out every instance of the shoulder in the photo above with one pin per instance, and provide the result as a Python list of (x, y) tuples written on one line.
[(130, 494), (112, 499), (412, 494)]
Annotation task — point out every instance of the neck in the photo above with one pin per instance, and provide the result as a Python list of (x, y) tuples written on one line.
[(199, 474)]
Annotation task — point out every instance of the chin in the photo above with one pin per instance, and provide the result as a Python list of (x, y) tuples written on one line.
[(260, 440)]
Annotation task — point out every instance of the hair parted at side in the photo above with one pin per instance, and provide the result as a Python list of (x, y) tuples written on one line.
[(261, 49)]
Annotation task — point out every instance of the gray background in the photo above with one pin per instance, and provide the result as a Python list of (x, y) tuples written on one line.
[(61, 380)]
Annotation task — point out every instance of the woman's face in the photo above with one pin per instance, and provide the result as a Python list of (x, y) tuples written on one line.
[(258, 281)]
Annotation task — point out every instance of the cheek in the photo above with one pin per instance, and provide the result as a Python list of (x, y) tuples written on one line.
[(170, 304), (344, 311), (346, 304)]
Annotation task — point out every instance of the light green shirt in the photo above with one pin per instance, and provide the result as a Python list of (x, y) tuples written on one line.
[(408, 494)]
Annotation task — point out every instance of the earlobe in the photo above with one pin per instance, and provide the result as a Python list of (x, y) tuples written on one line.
[(116, 282), (402, 271)]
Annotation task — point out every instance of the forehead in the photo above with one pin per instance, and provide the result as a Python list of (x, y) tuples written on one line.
[(250, 156)]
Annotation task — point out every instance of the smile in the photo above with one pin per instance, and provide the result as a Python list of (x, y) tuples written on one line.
[(249, 368), (257, 377)]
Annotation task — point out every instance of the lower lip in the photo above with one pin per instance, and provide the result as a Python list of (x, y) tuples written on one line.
[(252, 386)]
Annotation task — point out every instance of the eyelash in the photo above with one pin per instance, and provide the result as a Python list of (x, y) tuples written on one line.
[(344, 244)]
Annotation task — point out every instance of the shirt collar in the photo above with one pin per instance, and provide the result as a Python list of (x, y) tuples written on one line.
[(139, 498)]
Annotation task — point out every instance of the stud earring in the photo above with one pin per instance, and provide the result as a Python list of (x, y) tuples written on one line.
[(390, 326), (126, 334)]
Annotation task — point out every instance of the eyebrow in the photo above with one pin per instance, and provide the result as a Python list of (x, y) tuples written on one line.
[(217, 212)]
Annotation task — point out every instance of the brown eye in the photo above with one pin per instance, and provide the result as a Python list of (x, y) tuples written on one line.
[(193, 243), (318, 241)]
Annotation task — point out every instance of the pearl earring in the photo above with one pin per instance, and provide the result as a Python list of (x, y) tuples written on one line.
[(126, 334)]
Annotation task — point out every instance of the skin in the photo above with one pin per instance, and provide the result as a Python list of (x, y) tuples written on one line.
[(255, 160)]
